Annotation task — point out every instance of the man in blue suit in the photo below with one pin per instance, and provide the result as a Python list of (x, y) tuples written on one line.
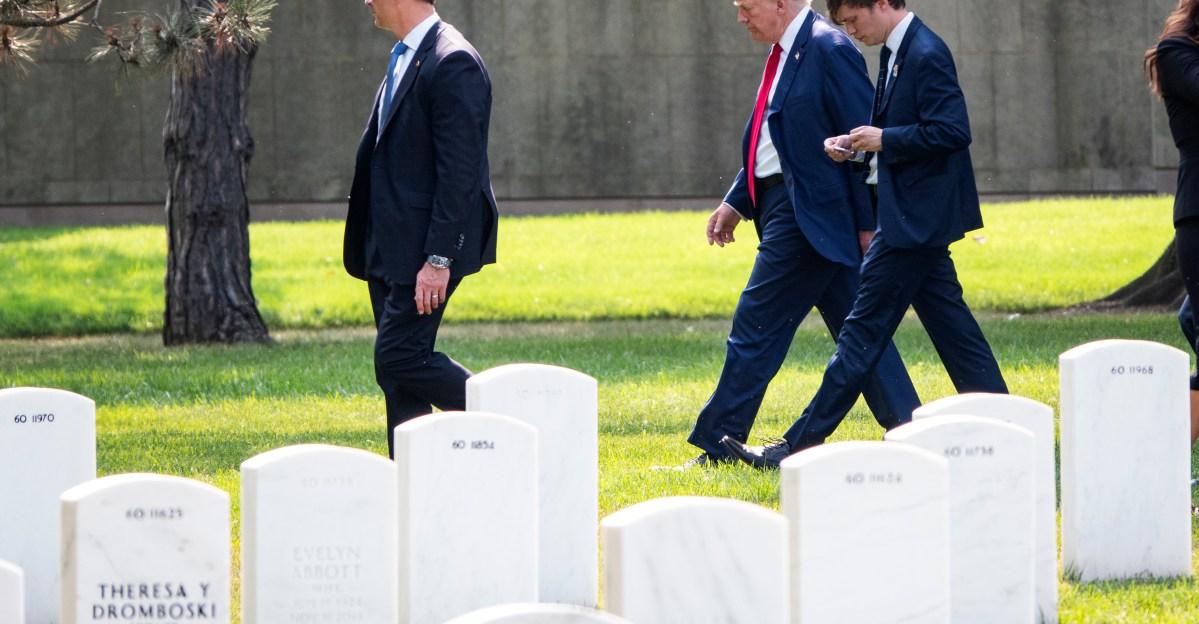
[(812, 216), (918, 162), (421, 210)]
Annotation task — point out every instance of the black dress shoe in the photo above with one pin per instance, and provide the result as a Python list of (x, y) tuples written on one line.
[(766, 457)]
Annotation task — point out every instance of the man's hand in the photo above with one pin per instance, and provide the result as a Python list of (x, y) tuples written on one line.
[(721, 225), (838, 148), (866, 139), (864, 239), (430, 288)]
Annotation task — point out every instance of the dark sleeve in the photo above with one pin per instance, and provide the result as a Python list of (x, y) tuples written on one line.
[(850, 96), (943, 125), (461, 108), (1178, 70), (738, 196)]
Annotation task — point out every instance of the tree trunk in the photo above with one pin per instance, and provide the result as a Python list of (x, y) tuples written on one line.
[(208, 150), (1161, 285)]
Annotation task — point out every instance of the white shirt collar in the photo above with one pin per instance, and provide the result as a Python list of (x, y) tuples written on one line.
[(895, 39), (417, 34), (792, 31)]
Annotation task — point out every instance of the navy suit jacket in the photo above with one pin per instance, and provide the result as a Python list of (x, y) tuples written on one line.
[(926, 191), (824, 90), (422, 183)]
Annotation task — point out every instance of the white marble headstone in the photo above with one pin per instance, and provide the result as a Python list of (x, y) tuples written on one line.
[(147, 548), (47, 446), (869, 529), (318, 537), (1126, 460), (562, 404), (12, 594), (1037, 418), (468, 514), (696, 559), (531, 613), (992, 488)]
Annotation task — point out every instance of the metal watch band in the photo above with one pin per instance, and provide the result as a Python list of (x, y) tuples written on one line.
[(439, 262)]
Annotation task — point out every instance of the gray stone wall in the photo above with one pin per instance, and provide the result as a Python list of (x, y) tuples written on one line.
[(599, 100)]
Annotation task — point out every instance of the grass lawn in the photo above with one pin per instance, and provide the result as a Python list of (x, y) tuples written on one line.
[(638, 301), (1031, 256)]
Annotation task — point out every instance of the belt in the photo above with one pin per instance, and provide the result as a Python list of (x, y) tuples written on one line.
[(761, 185)]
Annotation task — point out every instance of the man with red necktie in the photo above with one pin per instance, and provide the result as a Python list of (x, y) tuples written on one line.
[(813, 217)]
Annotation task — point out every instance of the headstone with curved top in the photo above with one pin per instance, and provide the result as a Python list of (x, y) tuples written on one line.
[(147, 548), (12, 593), (869, 526), (696, 559), (1126, 461), (468, 514), (562, 404), (1037, 418), (47, 446), (992, 489), (319, 541)]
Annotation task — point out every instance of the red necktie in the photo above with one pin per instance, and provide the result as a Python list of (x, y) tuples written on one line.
[(772, 65)]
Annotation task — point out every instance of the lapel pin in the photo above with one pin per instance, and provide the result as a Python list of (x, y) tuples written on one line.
[(895, 71), (797, 56), (417, 62)]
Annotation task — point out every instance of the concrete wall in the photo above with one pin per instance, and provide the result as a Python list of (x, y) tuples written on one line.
[(609, 100)]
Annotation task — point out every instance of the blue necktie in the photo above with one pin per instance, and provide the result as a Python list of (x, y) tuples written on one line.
[(389, 85), (881, 86)]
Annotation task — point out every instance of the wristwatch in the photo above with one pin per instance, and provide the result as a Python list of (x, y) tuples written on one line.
[(439, 262)]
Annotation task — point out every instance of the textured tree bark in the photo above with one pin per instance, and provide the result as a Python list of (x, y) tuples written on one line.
[(208, 149), (1161, 285)]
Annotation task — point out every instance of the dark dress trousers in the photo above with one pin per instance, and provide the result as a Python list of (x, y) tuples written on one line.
[(1178, 77), (808, 226), (926, 200), (422, 186)]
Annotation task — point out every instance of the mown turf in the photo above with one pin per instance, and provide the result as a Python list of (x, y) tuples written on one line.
[(200, 411), (1031, 256)]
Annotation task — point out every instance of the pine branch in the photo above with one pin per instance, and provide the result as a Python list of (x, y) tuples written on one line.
[(23, 19)]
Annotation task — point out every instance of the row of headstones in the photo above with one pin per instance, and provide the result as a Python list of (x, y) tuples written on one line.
[(47, 453), (855, 511)]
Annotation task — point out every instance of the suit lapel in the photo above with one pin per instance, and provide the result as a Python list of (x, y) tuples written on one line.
[(414, 67), (899, 61), (795, 57)]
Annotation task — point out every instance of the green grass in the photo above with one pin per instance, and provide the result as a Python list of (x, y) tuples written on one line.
[(1031, 256), (639, 301), (200, 411)]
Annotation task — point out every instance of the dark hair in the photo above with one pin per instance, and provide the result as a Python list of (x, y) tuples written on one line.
[(835, 5), (1182, 22)]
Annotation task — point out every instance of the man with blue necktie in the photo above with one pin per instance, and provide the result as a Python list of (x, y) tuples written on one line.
[(422, 214), (812, 216), (918, 166)]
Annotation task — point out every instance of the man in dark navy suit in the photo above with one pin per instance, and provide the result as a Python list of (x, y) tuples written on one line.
[(813, 218), (422, 214), (918, 162)]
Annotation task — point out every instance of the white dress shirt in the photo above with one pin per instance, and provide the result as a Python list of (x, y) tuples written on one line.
[(766, 162), (894, 40), (412, 40)]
